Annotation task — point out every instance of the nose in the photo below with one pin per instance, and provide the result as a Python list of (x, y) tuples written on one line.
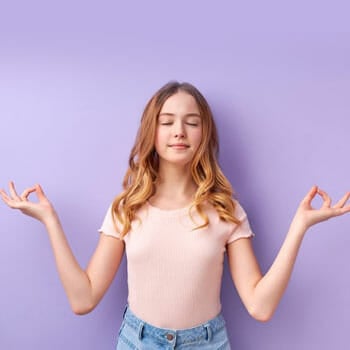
[(179, 131)]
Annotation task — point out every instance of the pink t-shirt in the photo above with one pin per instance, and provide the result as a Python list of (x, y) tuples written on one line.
[(175, 272)]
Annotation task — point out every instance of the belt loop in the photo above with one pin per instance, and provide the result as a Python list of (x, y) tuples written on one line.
[(141, 325), (209, 332)]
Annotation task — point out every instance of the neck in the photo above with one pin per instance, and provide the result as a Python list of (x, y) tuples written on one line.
[(174, 183)]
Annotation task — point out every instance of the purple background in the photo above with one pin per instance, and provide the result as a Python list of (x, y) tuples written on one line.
[(74, 79)]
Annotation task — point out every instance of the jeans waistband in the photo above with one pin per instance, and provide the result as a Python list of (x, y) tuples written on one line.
[(204, 331)]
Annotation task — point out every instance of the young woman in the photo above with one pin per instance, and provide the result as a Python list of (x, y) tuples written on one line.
[(175, 219)]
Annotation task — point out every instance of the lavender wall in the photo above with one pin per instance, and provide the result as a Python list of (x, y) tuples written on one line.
[(74, 78)]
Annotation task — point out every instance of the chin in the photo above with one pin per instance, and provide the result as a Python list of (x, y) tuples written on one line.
[(176, 162)]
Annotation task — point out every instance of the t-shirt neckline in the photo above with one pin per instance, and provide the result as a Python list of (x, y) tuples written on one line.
[(169, 212)]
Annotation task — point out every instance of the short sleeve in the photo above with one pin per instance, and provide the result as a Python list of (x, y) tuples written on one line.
[(242, 230), (108, 227)]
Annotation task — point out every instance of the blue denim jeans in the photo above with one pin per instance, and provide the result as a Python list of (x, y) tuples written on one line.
[(138, 335)]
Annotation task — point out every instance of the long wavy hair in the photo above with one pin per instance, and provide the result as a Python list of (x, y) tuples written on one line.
[(140, 179)]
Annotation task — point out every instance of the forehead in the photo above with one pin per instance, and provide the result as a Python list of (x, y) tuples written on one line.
[(179, 103)]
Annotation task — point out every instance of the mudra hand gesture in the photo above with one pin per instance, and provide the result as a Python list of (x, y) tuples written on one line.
[(40, 210), (306, 215)]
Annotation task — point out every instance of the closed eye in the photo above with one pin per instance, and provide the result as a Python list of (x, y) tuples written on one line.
[(170, 123)]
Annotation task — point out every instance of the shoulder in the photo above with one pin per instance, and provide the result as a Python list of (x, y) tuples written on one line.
[(243, 229), (238, 211)]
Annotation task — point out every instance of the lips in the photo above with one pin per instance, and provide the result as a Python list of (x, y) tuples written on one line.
[(179, 145)]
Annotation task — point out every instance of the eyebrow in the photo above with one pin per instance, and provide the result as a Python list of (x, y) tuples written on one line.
[(186, 115)]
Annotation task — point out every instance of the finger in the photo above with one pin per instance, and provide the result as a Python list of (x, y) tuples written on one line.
[(345, 209), (341, 211), (3, 192), (4, 196), (326, 199), (342, 201), (40, 192), (26, 193), (13, 192), (12, 203), (310, 195)]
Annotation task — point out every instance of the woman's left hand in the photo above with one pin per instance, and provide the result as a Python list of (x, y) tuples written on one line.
[(307, 216)]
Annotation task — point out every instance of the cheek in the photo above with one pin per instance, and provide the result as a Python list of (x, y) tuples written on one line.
[(159, 139), (198, 138)]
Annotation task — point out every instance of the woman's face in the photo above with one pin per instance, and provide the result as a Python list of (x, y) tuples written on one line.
[(179, 129)]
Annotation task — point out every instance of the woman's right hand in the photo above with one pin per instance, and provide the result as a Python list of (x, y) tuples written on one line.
[(41, 210)]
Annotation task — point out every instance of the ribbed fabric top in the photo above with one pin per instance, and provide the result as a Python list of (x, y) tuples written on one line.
[(175, 272)]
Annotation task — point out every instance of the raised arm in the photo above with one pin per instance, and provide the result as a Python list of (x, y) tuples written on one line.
[(262, 294), (84, 288)]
